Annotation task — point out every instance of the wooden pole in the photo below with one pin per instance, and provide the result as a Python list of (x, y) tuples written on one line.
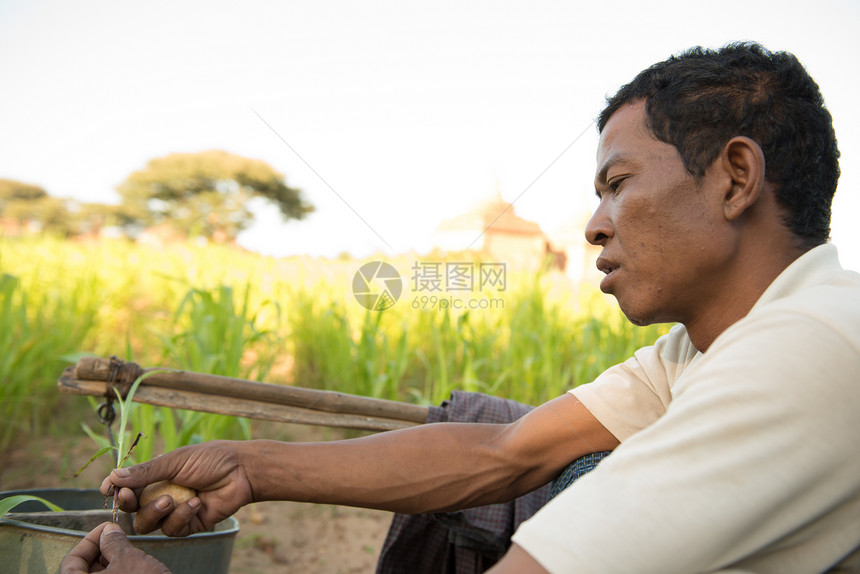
[(239, 397)]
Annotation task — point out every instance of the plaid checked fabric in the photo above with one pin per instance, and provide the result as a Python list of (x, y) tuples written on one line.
[(468, 541), (576, 469)]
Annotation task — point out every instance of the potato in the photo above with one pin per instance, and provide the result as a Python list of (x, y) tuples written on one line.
[(180, 494)]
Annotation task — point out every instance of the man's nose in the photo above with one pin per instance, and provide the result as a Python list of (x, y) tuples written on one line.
[(599, 227)]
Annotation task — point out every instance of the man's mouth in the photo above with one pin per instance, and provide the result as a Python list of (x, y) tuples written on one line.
[(609, 268), (606, 266)]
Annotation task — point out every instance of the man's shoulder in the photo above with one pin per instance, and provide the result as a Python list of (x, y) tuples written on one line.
[(833, 300), (810, 334), (815, 287)]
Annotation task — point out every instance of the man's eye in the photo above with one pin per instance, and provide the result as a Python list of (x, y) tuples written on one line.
[(617, 182), (610, 186)]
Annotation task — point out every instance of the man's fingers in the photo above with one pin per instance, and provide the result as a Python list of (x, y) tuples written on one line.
[(106, 487), (82, 556), (113, 541), (124, 557), (127, 499), (131, 480), (173, 520), (137, 476), (148, 518), (183, 521)]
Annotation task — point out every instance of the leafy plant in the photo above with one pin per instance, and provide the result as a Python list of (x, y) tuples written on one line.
[(219, 310), (126, 407), (10, 502), (37, 328), (212, 333)]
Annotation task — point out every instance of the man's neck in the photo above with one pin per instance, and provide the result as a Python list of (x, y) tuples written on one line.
[(746, 284)]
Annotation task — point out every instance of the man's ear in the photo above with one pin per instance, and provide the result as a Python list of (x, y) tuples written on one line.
[(743, 161)]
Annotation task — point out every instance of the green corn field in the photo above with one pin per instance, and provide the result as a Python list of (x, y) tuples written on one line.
[(221, 310)]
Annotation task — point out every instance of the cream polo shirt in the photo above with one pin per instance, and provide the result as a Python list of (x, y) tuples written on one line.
[(744, 459)]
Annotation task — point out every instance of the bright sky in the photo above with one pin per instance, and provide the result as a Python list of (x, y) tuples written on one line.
[(390, 116)]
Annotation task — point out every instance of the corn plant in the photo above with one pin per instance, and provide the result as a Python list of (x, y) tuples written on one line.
[(537, 346), (363, 353), (10, 502), (38, 326), (212, 333), (219, 310)]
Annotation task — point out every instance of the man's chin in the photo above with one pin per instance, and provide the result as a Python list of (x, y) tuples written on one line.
[(636, 316), (639, 322)]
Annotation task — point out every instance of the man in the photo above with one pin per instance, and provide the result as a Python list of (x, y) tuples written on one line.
[(737, 431)]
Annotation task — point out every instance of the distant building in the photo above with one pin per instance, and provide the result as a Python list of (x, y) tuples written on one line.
[(493, 229), (580, 255)]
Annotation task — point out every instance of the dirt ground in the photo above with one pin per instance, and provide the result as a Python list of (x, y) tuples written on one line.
[(274, 537), (286, 537)]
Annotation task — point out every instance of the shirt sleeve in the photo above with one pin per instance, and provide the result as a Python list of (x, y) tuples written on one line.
[(758, 450), (631, 396)]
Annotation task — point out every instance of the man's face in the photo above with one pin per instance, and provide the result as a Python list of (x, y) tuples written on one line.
[(663, 242)]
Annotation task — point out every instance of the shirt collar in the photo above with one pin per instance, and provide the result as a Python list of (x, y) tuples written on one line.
[(807, 269)]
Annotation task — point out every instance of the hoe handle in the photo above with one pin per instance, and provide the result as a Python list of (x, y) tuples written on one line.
[(239, 397)]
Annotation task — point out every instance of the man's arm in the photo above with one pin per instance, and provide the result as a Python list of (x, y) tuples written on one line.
[(435, 467), (430, 468), (517, 561)]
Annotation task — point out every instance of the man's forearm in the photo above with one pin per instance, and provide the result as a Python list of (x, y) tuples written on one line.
[(427, 468), (434, 467)]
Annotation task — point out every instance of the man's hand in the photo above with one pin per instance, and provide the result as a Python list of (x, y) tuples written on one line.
[(214, 469), (106, 549)]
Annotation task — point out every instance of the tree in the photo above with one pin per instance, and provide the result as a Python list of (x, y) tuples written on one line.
[(12, 191), (42, 214), (28, 208), (24, 205), (206, 193)]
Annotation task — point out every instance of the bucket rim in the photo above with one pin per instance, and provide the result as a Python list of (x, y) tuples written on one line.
[(230, 526)]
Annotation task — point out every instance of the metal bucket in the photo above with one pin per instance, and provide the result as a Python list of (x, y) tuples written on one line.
[(33, 541)]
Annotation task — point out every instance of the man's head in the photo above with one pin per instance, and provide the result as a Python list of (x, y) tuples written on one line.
[(699, 100)]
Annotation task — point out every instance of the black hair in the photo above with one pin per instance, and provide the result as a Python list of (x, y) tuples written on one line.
[(698, 100)]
